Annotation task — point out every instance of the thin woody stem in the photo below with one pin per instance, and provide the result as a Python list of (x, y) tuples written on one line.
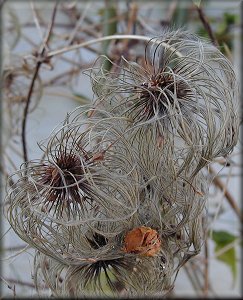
[(35, 75), (207, 26), (106, 38), (9, 281), (218, 183), (206, 271)]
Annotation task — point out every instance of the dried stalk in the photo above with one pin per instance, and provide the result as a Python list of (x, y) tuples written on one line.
[(207, 25), (10, 281), (105, 38), (218, 183), (37, 68), (206, 270)]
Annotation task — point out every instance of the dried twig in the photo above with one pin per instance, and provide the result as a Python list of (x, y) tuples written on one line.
[(36, 20), (192, 279), (14, 248), (12, 288), (17, 253), (35, 75), (123, 50), (227, 247), (78, 24), (10, 281), (105, 38), (130, 24), (206, 25), (132, 17), (218, 183), (64, 75), (206, 265), (195, 265), (197, 275)]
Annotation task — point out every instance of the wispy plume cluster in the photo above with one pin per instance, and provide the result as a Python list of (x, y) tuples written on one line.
[(184, 88), (117, 203)]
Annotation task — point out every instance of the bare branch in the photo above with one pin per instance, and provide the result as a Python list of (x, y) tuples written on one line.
[(207, 25), (35, 75), (105, 38), (218, 183), (206, 271)]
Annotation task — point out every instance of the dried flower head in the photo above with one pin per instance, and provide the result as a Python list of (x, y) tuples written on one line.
[(132, 260), (137, 257), (97, 189), (88, 176), (126, 276), (116, 205), (184, 86), (96, 264), (84, 170)]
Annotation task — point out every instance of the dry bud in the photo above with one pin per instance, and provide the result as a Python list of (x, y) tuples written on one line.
[(142, 240)]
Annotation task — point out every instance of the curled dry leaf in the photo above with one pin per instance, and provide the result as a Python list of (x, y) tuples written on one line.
[(142, 240)]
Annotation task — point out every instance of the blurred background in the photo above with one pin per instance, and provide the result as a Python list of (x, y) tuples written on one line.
[(48, 88)]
